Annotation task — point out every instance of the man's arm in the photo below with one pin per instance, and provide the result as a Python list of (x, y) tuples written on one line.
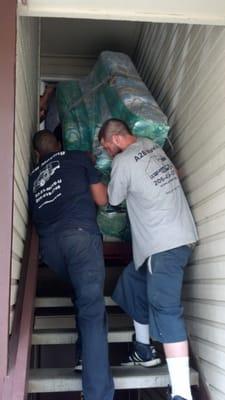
[(119, 183), (99, 193), (97, 188)]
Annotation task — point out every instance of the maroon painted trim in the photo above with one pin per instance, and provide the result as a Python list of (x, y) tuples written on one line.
[(14, 338), (15, 386), (7, 112)]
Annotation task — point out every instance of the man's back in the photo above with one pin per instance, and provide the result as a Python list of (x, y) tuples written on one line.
[(158, 210), (59, 192)]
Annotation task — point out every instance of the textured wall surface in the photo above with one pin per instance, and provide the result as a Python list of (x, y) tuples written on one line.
[(184, 66)]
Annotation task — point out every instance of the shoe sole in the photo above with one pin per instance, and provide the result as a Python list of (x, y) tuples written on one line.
[(146, 364), (78, 368)]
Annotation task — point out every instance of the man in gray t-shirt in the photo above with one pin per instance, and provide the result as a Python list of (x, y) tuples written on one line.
[(163, 232)]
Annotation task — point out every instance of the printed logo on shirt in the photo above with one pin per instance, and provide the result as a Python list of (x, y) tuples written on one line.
[(162, 172), (145, 152), (47, 193), (58, 154), (45, 174)]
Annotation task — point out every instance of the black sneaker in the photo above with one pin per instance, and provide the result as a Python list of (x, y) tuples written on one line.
[(78, 366), (142, 354), (78, 356)]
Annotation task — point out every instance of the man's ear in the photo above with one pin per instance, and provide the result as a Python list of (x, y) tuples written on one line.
[(37, 156), (59, 146), (116, 139)]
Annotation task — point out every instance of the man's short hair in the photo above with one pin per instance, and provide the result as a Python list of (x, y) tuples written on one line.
[(44, 142), (113, 126)]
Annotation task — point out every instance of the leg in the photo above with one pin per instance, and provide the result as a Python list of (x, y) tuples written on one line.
[(179, 349), (166, 315), (85, 264), (177, 357), (131, 295), (141, 332), (53, 257)]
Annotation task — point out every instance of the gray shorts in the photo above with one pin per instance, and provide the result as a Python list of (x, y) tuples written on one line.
[(154, 297)]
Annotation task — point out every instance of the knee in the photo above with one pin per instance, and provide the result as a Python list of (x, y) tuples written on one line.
[(171, 307), (90, 301), (164, 295)]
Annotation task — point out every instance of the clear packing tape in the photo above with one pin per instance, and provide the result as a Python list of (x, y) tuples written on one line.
[(112, 89)]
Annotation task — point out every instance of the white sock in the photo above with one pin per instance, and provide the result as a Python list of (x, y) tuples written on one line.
[(180, 376), (141, 332)]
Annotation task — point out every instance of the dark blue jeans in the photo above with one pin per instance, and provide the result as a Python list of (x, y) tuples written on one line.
[(77, 256), (154, 297)]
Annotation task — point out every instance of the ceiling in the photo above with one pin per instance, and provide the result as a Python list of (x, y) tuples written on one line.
[(87, 38)]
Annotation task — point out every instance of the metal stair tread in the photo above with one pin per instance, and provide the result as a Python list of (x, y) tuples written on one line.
[(51, 302), (62, 322), (65, 380), (70, 336)]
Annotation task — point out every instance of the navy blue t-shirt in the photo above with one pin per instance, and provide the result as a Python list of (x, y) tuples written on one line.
[(59, 192)]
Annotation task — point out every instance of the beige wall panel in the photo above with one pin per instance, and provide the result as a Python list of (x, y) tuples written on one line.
[(21, 144), (16, 268), (65, 68), (205, 311), (206, 330), (205, 291), (160, 10), (11, 318), (209, 352), (210, 248), (212, 161), (213, 205), (184, 68), (18, 198), (27, 73), (215, 378), (20, 180), (20, 220), (14, 290), (206, 270), (18, 244)]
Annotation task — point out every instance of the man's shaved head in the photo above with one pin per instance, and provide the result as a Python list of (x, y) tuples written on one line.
[(45, 142), (115, 136), (113, 126)]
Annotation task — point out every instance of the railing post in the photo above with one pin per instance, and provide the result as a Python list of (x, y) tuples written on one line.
[(7, 112)]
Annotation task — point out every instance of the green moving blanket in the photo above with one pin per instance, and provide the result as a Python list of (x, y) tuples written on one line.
[(112, 89)]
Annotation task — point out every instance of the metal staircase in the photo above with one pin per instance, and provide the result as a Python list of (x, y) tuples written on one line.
[(54, 327)]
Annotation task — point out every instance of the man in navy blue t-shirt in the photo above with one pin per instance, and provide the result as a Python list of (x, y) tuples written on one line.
[(63, 190)]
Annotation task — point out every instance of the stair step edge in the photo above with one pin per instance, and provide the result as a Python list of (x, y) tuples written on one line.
[(65, 380)]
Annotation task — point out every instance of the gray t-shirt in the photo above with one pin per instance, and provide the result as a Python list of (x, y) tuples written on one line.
[(158, 210)]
